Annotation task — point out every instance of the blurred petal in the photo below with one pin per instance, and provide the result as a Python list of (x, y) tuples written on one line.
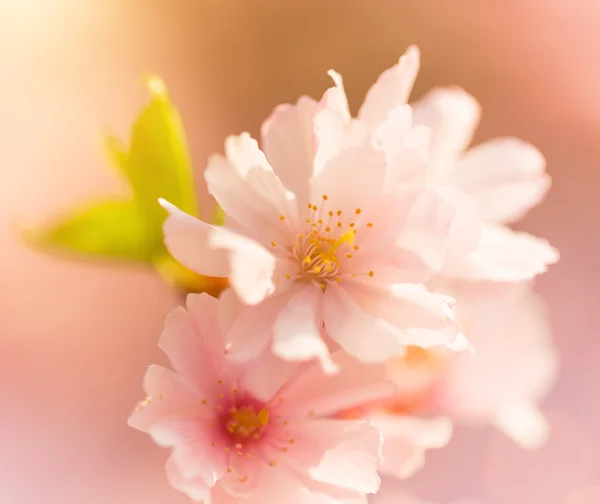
[(391, 89), (505, 176), (452, 114), (524, 423), (504, 255)]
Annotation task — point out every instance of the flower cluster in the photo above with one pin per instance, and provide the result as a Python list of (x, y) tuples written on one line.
[(376, 295)]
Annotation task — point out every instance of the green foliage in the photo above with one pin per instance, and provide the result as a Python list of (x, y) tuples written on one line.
[(157, 165)]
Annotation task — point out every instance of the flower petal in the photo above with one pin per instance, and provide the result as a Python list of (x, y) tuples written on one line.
[(443, 224), (353, 463), (334, 129), (524, 423), (264, 380), (452, 114), (289, 145), (391, 89), (362, 335), (312, 393), (508, 326), (504, 255), (342, 453), (195, 488), (401, 315), (406, 147), (244, 477), (170, 402), (352, 180), (252, 331), (407, 438), (193, 342), (187, 239), (505, 176), (248, 190), (297, 329)]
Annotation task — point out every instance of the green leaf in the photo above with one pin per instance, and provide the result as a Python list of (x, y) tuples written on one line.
[(117, 153), (158, 165), (115, 229)]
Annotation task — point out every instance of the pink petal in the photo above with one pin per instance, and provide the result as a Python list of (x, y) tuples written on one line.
[(392, 89), (524, 423), (187, 240), (248, 190), (170, 401), (230, 308), (196, 457), (297, 329), (505, 176), (192, 341), (452, 114), (288, 143), (341, 453), (216, 251), (406, 148), (252, 331), (407, 438), (195, 488), (267, 375), (504, 255), (314, 393), (362, 335), (251, 266), (354, 462), (245, 478), (515, 361), (352, 180), (334, 129), (297, 489), (393, 317), (443, 224)]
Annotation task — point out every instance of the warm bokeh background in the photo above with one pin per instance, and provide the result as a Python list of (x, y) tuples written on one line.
[(75, 338)]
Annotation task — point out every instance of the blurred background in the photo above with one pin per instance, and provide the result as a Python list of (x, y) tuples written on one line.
[(76, 337)]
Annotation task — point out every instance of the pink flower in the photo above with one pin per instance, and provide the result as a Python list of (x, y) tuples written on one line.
[(502, 384), (258, 431), (514, 366), (406, 436), (472, 194), (317, 228), (503, 178)]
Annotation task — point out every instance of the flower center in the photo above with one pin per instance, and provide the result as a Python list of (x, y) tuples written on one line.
[(327, 243), (246, 423)]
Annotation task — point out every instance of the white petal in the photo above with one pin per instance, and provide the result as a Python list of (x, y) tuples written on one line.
[(524, 423), (452, 114), (505, 176), (391, 89)]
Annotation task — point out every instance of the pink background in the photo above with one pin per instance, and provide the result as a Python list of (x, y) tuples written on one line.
[(75, 337)]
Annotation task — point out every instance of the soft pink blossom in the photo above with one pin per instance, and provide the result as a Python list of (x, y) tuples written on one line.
[(258, 431), (502, 383), (329, 226), (473, 193), (514, 365), (503, 178)]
